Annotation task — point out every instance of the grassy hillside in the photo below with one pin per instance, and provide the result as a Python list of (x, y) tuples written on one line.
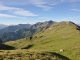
[(58, 36)]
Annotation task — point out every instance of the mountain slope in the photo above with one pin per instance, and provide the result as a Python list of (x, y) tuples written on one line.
[(18, 34), (62, 35)]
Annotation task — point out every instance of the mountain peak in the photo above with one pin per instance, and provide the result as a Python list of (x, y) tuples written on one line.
[(50, 21)]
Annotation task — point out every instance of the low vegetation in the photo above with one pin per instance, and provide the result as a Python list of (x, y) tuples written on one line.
[(30, 55)]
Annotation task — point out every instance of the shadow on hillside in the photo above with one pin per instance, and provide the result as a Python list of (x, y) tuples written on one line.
[(6, 47), (60, 56), (28, 46)]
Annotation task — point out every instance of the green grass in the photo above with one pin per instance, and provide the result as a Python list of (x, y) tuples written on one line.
[(62, 36)]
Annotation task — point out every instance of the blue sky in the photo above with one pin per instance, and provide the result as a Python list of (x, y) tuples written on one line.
[(32, 11)]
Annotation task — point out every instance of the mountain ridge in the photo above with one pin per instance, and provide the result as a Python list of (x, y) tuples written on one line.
[(25, 32)]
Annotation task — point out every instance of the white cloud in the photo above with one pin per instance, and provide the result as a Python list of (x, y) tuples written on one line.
[(2, 7), (43, 4), (17, 11), (24, 13), (7, 16)]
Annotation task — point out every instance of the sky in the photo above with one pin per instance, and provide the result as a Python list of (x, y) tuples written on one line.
[(31, 11)]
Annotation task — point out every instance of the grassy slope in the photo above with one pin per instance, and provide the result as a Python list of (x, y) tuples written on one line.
[(63, 36), (30, 55)]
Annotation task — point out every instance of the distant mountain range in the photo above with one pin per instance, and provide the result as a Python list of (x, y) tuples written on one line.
[(13, 28), (2, 26), (22, 30)]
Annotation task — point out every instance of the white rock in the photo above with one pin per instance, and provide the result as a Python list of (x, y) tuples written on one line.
[(61, 50)]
